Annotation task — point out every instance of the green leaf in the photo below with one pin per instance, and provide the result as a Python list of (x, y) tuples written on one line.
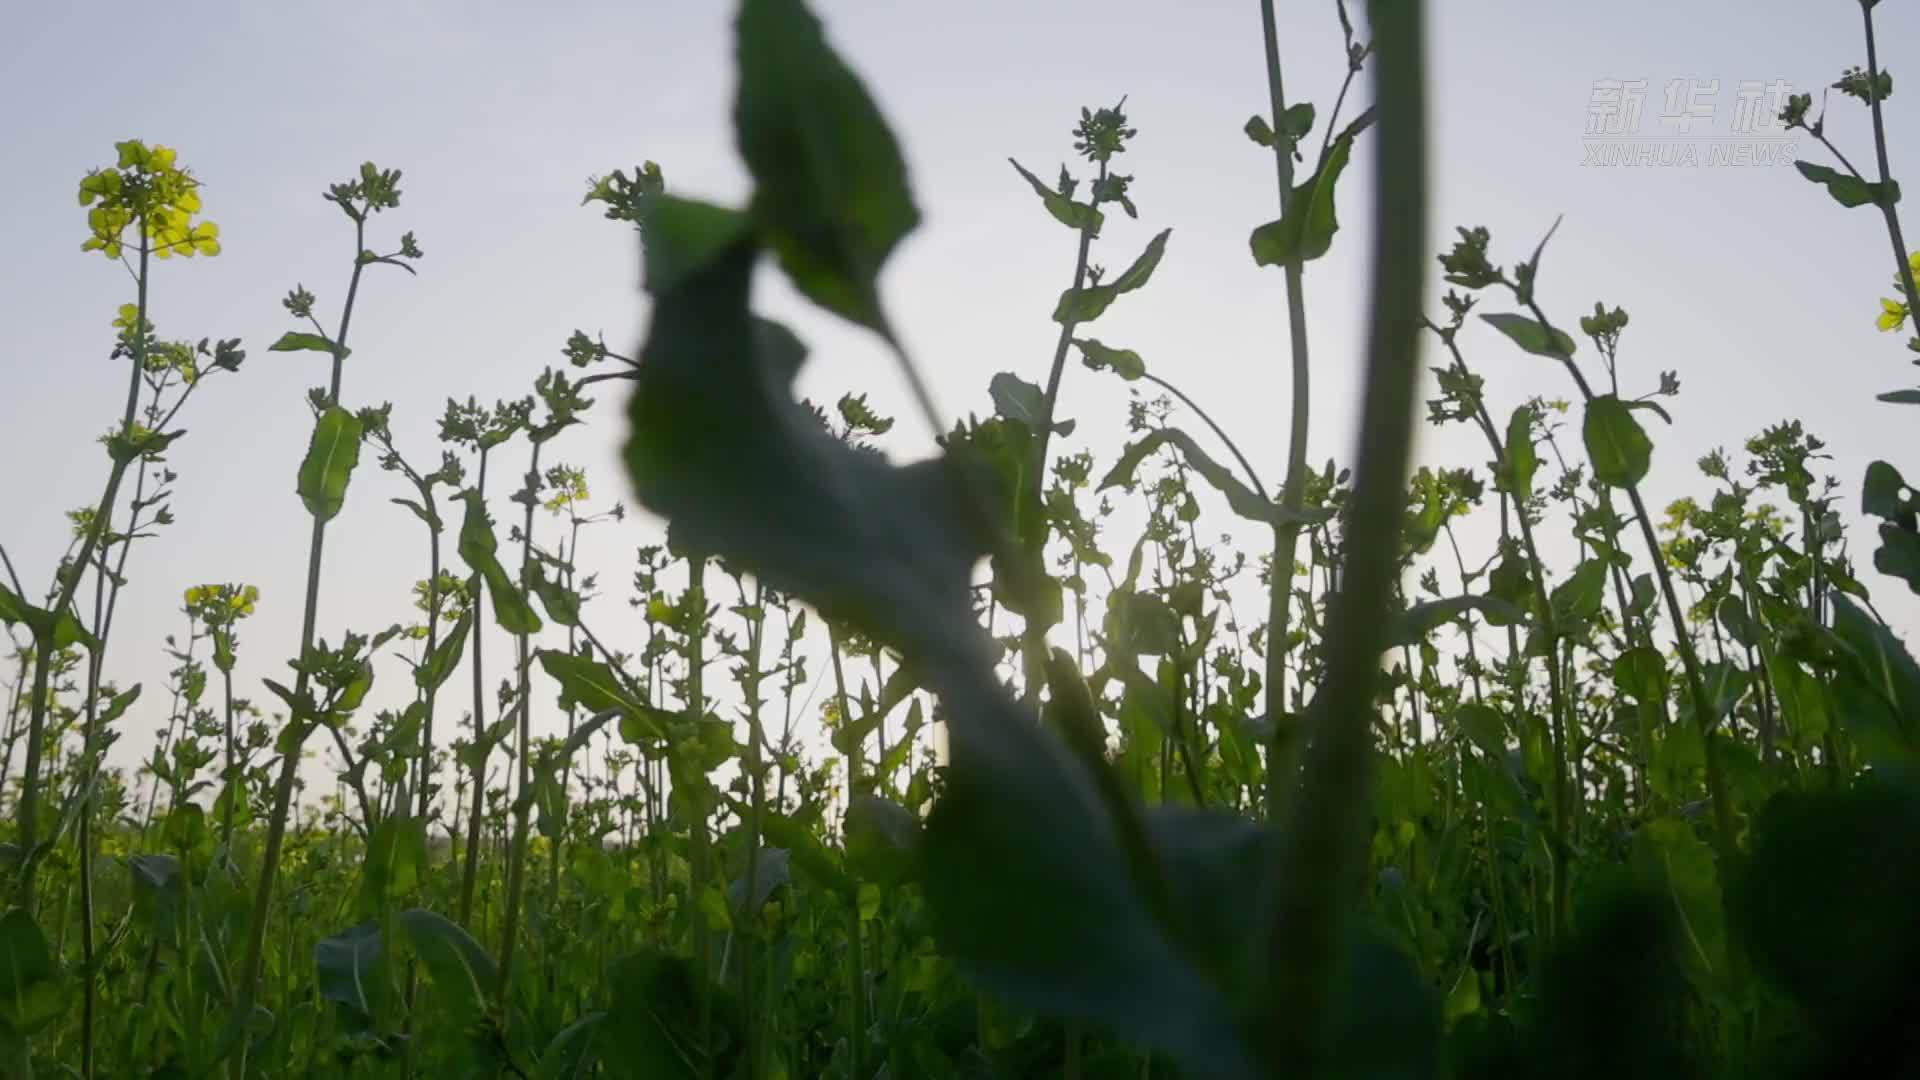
[(1074, 215), (1526, 332), (1015, 398), (1616, 444), (718, 445), (1305, 231), (31, 991), (157, 893), (426, 516), (1883, 494), (118, 705), (1123, 362), (395, 860), (441, 663), (462, 973), (570, 1054), (1580, 597), (1641, 673), (881, 837), (332, 453), (593, 686), (1521, 461), (654, 1021), (1878, 681), (830, 186), (1089, 302), (13, 610), (1060, 924), (477, 547), (1848, 190), (1243, 500), (1410, 627), (772, 869), (298, 341), (1825, 907), (1484, 727), (684, 237), (1899, 397), (347, 966), (562, 603)]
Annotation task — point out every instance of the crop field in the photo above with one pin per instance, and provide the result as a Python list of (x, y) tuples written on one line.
[(1050, 744)]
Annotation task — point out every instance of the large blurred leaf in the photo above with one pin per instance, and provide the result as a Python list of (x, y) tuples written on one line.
[(1826, 908), (1057, 919), (463, 975), (1607, 1002), (653, 1022), (830, 186), (31, 994), (348, 968), (719, 446), (882, 837)]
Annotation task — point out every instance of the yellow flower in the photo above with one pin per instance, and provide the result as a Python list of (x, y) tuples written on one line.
[(1893, 314)]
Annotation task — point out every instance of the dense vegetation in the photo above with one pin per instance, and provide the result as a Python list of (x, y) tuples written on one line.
[(1650, 813)]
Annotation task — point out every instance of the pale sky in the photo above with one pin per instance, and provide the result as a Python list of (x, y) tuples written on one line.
[(1752, 284)]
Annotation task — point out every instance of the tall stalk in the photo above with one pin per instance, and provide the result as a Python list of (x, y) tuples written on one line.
[(1323, 845), (68, 583), (1284, 751), (477, 769), (523, 803), (374, 191)]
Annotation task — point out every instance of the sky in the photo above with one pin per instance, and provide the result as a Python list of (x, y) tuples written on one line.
[(1747, 281)]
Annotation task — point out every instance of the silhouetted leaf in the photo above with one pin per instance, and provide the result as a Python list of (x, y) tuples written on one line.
[(1306, 231), (830, 186), (1244, 501), (477, 547), (1089, 302), (1074, 215), (1526, 332), (1849, 190)]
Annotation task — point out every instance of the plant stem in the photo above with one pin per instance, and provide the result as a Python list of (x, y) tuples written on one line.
[(1283, 753), (250, 968), (1902, 267), (1322, 849)]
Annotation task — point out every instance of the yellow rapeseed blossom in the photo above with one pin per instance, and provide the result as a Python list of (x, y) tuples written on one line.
[(1893, 313), (217, 605), (146, 186)]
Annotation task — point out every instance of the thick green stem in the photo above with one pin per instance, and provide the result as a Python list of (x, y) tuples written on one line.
[(1283, 753), (1323, 846)]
